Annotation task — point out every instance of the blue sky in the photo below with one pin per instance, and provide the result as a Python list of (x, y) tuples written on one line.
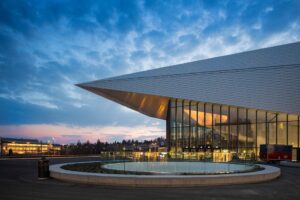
[(48, 46)]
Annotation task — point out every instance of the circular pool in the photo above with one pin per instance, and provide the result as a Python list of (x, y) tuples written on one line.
[(179, 167), (163, 174)]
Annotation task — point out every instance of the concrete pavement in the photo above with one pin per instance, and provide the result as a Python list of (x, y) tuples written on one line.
[(18, 180)]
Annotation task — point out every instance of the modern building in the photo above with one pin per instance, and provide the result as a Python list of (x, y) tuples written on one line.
[(220, 107), (15, 146)]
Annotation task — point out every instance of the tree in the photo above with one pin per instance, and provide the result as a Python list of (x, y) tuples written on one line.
[(98, 147)]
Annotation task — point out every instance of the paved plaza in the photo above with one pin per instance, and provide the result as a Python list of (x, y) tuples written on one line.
[(18, 181)]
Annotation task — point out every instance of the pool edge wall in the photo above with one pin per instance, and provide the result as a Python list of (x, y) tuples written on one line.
[(267, 174)]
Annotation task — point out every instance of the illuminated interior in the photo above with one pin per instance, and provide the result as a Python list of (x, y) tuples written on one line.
[(212, 131), (17, 147), (210, 118)]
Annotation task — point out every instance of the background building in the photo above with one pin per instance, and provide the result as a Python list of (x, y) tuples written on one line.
[(221, 107), (14, 146)]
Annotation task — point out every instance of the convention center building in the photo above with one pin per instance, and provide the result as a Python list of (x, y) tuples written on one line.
[(218, 107)]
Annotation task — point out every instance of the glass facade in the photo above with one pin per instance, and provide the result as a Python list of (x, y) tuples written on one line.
[(220, 132)]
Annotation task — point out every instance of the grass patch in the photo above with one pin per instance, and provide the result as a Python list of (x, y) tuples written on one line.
[(94, 167)]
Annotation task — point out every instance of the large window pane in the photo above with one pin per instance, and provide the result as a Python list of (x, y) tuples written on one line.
[(281, 128), (201, 127), (179, 139), (201, 142), (179, 113), (251, 137), (193, 128), (186, 138), (173, 103), (216, 126), (233, 129), (193, 136), (271, 127), (186, 113), (193, 115), (293, 130), (261, 128), (173, 116), (224, 125), (173, 139), (208, 124), (201, 114), (242, 129)]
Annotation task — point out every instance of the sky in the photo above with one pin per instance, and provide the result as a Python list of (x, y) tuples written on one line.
[(48, 46)]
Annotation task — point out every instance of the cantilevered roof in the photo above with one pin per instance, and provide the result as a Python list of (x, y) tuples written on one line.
[(267, 79)]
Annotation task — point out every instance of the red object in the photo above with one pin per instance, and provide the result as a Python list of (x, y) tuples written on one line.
[(275, 152)]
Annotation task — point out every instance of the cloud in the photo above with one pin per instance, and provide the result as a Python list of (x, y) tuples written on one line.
[(283, 37), (32, 97), (257, 26), (47, 47), (269, 9)]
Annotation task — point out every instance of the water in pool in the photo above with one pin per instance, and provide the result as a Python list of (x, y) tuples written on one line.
[(179, 167)]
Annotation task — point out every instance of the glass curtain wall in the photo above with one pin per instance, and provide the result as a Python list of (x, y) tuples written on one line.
[(212, 131)]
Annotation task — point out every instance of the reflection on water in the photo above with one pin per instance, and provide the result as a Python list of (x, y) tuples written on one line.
[(180, 167)]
